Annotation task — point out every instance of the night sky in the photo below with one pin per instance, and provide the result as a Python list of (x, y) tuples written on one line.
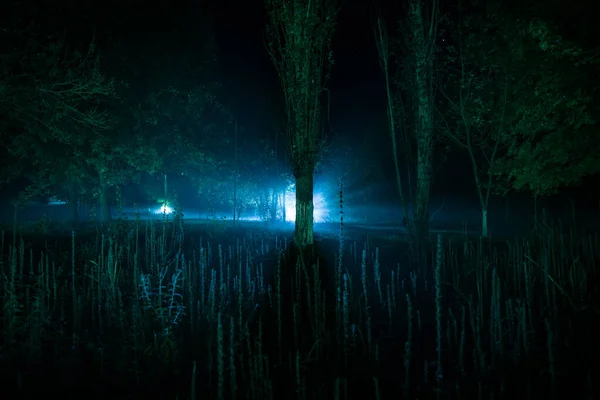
[(356, 113)]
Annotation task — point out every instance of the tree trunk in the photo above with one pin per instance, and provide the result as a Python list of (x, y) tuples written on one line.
[(74, 204), (422, 201), (283, 205), (381, 40), (535, 212), (165, 187), (234, 196), (484, 221), (235, 171), (105, 215), (274, 198), (303, 232), (423, 75)]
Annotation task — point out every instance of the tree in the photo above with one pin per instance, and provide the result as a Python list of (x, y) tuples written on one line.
[(181, 125), (300, 34), (273, 160), (512, 99), (552, 138), (394, 108), (420, 39), (474, 97), (52, 104)]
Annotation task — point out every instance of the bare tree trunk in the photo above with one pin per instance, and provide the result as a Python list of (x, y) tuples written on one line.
[(381, 40), (165, 188), (105, 214), (483, 192), (484, 221), (299, 45), (283, 205), (423, 78), (74, 205), (235, 172), (483, 201), (303, 233), (234, 196), (274, 197), (422, 200)]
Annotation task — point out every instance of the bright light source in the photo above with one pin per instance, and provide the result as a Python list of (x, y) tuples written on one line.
[(164, 209), (320, 211)]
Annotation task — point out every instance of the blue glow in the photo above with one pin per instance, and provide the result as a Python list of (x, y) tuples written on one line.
[(320, 213), (164, 209)]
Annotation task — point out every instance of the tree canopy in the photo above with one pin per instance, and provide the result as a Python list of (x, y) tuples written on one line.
[(517, 86)]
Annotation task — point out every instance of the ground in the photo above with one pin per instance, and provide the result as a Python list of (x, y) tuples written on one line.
[(512, 315)]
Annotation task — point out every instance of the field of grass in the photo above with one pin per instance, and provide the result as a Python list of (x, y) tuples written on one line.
[(156, 309)]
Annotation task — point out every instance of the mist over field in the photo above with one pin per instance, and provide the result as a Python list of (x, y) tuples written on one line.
[(290, 199)]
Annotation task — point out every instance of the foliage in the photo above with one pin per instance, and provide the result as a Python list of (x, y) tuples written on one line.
[(182, 126), (550, 136), (515, 92), (51, 108), (474, 87), (86, 132)]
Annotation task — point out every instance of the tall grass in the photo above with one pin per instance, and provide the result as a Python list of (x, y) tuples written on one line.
[(137, 309)]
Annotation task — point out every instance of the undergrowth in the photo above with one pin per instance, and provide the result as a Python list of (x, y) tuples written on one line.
[(149, 308)]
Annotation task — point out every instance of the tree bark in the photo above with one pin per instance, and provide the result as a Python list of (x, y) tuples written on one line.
[(235, 171), (234, 196), (423, 75), (422, 198), (74, 205), (303, 232), (381, 41), (105, 214), (274, 198), (484, 222), (283, 205)]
